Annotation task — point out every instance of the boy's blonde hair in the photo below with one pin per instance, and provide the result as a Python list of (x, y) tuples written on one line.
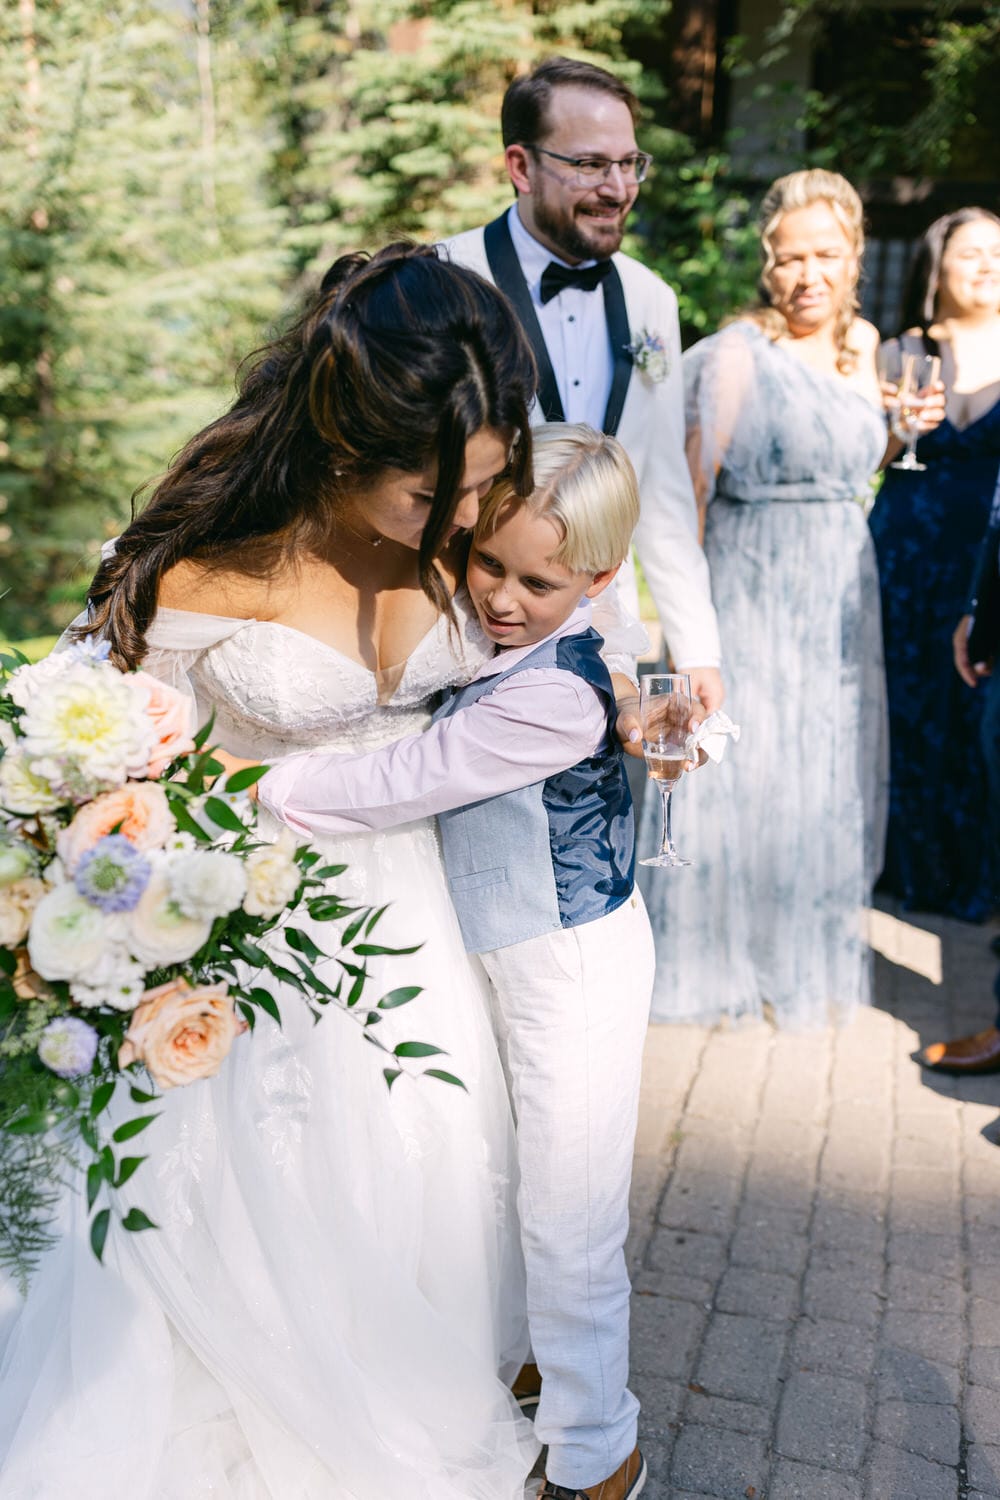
[(584, 482)]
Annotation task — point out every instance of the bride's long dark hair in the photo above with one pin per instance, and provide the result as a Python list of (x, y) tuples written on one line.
[(398, 361)]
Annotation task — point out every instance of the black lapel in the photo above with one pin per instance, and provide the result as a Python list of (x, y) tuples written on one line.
[(509, 277), (618, 331)]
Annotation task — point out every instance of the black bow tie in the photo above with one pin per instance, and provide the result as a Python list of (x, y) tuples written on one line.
[(587, 278)]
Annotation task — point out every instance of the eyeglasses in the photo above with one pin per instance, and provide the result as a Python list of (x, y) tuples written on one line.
[(591, 170)]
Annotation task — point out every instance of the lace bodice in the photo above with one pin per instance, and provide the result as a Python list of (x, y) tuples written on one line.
[(275, 690)]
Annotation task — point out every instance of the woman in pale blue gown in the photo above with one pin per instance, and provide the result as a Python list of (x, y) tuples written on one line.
[(784, 431)]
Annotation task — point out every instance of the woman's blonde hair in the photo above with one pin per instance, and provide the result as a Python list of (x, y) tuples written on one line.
[(802, 190), (585, 483)]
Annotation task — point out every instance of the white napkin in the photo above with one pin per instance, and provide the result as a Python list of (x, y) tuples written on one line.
[(710, 736)]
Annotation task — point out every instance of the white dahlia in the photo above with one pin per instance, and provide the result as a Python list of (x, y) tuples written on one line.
[(85, 729)]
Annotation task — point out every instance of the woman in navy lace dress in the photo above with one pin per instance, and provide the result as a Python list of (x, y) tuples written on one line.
[(927, 529)]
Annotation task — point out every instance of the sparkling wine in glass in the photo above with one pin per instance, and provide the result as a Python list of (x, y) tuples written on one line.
[(665, 706), (909, 374)]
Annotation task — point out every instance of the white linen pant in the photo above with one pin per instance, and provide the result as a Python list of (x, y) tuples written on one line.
[(571, 1011)]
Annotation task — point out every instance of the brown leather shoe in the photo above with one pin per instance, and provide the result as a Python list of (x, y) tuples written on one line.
[(527, 1388), (626, 1483), (966, 1054)]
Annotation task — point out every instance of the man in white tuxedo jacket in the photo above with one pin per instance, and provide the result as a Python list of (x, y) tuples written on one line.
[(569, 138)]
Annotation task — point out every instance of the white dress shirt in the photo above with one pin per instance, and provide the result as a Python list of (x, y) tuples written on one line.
[(574, 328)]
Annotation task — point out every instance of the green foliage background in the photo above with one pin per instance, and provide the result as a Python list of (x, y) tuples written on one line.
[(173, 175)]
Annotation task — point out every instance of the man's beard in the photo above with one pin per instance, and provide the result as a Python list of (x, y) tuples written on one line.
[(563, 230)]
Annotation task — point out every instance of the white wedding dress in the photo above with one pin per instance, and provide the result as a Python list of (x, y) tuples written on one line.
[(335, 1288)]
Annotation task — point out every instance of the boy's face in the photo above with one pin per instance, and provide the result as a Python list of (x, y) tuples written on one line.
[(520, 594)]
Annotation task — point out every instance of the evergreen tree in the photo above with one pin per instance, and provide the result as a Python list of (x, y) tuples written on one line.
[(139, 259)]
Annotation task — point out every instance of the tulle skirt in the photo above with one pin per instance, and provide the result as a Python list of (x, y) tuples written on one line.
[(334, 1297), (786, 834)]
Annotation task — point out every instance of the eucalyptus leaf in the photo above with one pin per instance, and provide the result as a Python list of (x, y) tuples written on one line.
[(372, 950), (126, 1167), (444, 1077), (301, 942), (402, 996), (135, 1220), (95, 1181), (33, 1124), (240, 780), (267, 1002), (201, 738), (221, 813), (375, 917), (101, 1097), (133, 1127), (99, 1232)]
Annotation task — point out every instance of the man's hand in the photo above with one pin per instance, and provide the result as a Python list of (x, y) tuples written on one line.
[(706, 684), (970, 672)]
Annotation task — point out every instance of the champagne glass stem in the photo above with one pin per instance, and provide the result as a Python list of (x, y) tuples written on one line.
[(666, 838)]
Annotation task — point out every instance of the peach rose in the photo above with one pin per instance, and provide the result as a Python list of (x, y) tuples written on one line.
[(172, 716), (140, 807), (181, 1034)]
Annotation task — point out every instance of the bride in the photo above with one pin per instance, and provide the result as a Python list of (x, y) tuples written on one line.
[(332, 1301)]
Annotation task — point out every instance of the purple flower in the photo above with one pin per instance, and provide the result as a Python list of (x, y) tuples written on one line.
[(113, 874), (68, 1046)]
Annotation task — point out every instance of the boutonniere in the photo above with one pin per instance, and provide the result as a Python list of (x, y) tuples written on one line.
[(649, 354)]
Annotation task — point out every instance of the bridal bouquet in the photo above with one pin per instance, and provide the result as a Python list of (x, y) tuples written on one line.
[(138, 909)]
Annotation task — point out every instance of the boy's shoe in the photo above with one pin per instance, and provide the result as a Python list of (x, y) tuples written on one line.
[(626, 1483), (527, 1389)]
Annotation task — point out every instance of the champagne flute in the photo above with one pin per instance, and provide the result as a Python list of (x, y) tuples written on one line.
[(910, 375), (665, 706)]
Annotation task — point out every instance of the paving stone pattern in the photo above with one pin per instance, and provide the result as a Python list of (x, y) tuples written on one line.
[(815, 1249)]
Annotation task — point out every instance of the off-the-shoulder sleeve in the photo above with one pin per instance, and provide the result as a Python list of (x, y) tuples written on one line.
[(176, 638), (718, 385)]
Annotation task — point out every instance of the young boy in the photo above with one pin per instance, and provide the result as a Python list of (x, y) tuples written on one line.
[(525, 774)]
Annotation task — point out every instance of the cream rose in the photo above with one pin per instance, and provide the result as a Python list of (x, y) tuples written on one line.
[(181, 1034), (273, 877), (68, 935), (21, 789), (172, 717), (140, 807), (159, 932), (17, 902)]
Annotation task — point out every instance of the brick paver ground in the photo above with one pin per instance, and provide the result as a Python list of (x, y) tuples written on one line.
[(816, 1248)]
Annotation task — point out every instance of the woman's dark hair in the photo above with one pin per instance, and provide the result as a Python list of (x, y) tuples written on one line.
[(397, 362), (923, 279), (524, 114)]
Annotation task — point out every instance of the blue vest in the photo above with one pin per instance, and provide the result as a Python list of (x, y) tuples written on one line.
[(555, 854)]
